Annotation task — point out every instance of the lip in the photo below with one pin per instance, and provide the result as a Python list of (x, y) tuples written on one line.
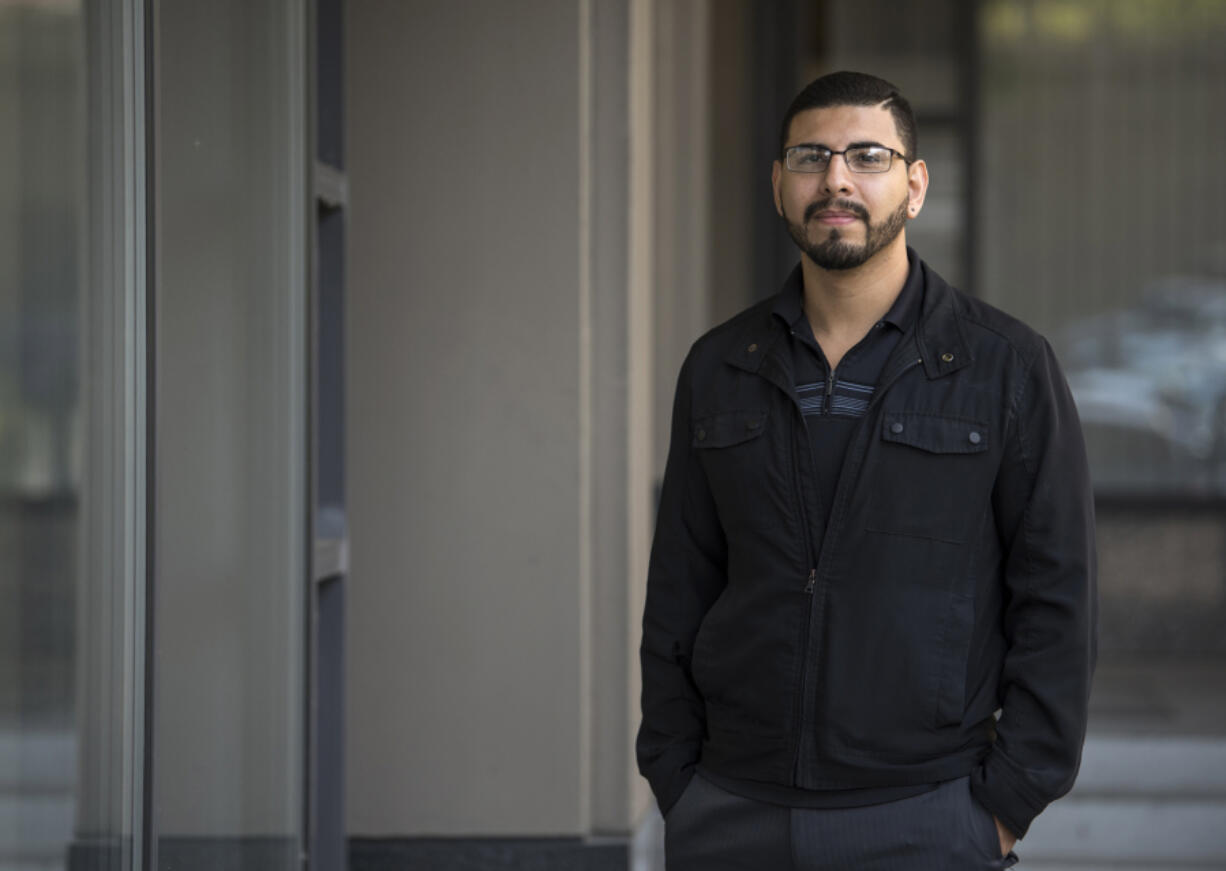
[(834, 216)]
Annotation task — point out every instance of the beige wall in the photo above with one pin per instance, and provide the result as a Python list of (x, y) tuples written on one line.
[(498, 417)]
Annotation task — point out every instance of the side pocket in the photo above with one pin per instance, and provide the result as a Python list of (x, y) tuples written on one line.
[(983, 826), (951, 659), (689, 788), (681, 825)]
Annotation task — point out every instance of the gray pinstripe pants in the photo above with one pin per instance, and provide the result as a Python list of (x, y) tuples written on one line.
[(710, 829)]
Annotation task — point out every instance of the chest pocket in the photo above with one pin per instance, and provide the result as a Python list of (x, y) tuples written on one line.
[(733, 450), (931, 476), (728, 428)]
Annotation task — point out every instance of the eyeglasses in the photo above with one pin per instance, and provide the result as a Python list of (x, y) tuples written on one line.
[(859, 158)]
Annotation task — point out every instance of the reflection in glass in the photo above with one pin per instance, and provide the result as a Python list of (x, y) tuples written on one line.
[(41, 200), (1150, 385)]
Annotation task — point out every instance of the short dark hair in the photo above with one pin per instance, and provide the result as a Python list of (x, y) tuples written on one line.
[(854, 89)]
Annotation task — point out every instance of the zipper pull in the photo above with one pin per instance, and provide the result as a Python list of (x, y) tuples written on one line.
[(812, 580)]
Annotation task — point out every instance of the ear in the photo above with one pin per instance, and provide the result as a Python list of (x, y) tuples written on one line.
[(776, 176), (917, 187)]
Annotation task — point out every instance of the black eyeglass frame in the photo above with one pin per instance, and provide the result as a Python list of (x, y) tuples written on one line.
[(894, 152)]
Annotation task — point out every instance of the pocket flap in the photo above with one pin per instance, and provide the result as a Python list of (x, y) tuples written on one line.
[(727, 428), (935, 434)]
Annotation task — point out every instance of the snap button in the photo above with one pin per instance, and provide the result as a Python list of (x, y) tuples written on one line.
[(753, 424), (752, 347), (702, 433), (896, 427), (947, 357), (975, 437)]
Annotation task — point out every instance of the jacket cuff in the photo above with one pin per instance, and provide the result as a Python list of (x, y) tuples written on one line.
[(997, 787)]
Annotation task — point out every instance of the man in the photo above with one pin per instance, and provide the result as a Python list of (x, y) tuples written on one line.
[(870, 619)]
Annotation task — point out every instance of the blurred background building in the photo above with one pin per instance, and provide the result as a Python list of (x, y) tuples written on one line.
[(337, 343)]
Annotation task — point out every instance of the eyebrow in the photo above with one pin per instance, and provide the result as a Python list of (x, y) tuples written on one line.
[(828, 148)]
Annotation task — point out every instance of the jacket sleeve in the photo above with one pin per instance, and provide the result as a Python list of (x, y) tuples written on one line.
[(1044, 508), (686, 574)]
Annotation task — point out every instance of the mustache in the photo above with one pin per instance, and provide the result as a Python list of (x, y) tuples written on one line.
[(842, 205)]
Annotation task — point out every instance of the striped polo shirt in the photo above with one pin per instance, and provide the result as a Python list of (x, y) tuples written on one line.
[(833, 402)]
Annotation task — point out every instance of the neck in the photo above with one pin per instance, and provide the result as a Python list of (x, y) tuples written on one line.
[(849, 301)]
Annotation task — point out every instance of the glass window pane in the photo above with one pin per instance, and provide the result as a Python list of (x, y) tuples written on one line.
[(71, 433), (230, 573), (1106, 215), (1104, 210)]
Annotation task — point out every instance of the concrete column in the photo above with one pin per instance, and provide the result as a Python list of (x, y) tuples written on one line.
[(492, 485)]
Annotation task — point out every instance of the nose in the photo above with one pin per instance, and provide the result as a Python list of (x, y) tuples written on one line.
[(838, 177)]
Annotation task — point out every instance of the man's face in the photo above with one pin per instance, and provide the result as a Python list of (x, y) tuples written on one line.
[(840, 218)]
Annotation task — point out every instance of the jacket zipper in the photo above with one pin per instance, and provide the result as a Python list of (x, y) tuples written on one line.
[(817, 602), (800, 502), (810, 583), (802, 692)]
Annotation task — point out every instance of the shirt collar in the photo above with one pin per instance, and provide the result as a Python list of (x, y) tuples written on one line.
[(790, 301), (905, 310)]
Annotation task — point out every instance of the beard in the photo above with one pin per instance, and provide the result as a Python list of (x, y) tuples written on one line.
[(835, 252)]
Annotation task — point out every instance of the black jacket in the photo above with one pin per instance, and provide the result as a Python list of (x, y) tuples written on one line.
[(956, 574)]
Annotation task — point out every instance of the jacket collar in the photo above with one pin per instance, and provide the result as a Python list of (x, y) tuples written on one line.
[(759, 348), (939, 336), (941, 339)]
